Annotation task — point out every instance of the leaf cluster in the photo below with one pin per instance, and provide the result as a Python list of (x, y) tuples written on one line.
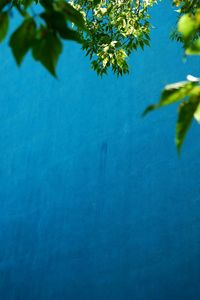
[(116, 28), (187, 92), (43, 28), (189, 28), (109, 30)]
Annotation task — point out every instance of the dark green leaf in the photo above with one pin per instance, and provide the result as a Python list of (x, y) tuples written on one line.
[(27, 3), (4, 23), (47, 49), (3, 3), (70, 34), (21, 40), (186, 113), (22, 10), (47, 4), (149, 109), (57, 22), (71, 14), (96, 2)]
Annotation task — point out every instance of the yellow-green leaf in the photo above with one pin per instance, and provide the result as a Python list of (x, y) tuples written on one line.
[(173, 93), (194, 48), (197, 114), (186, 25)]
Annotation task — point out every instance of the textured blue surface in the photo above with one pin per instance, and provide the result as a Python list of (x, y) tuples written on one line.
[(94, 202)]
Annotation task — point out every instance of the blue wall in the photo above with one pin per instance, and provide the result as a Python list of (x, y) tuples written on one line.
[(94, 202)]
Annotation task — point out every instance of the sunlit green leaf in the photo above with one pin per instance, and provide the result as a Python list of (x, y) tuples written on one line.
[(173, 93), (193, 78), (194, 48), (197, 113), (186, 25)]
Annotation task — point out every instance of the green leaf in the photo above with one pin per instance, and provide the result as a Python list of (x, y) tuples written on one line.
[(26, 3), (70, 34), (71, 14), (57, 22), (193, 78), (3, 3), (149, 109), (186, 112), (172, 93), (48, 5), (96, 2), (21, 40), (4, 24), (47, 49), (194, 49), (197, 113), (175, 92), (186, 25)]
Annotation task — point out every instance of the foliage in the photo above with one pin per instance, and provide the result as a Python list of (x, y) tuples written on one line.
[(109, 30), (189, 27), (42, 32), (115, 29), (187, 91), (188, 30)]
